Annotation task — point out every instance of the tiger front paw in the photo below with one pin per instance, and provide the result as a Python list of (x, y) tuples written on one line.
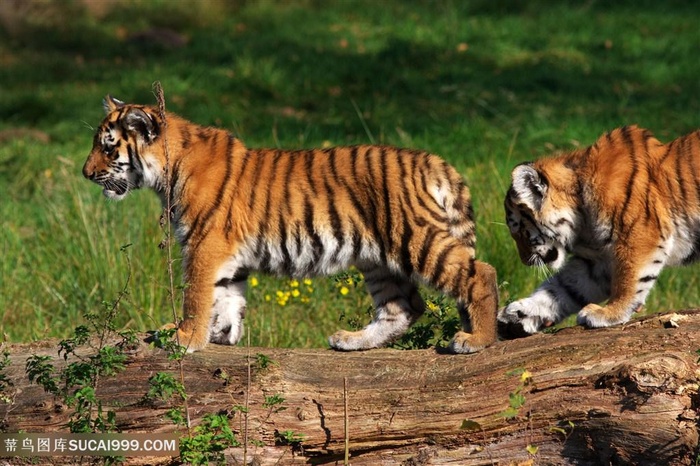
[(226, 328), (192, 341), (169, 326), (595, 316), (466, 343), (522, 318)]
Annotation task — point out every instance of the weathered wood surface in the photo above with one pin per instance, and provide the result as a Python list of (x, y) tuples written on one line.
[(630, 392)]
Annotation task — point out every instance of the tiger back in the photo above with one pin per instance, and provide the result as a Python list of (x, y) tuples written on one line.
[(609, 218), (402, 217)]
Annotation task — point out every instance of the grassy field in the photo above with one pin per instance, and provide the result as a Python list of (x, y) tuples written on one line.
[(484, 83)]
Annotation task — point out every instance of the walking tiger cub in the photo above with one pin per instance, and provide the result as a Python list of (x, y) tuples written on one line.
[(621, 209), (401, 217)]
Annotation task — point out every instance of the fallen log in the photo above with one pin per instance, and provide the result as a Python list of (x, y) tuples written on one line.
[(622, 395)]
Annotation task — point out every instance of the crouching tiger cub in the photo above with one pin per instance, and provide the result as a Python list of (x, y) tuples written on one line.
[(621, 210), (400, 216)]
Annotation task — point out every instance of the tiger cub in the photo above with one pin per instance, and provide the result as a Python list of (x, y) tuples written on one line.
[(401, 217), (609, 218)]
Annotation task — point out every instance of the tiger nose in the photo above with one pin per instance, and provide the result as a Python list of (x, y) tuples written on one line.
[(88, 172)]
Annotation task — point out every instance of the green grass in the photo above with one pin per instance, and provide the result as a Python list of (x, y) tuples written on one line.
[(485, 84)]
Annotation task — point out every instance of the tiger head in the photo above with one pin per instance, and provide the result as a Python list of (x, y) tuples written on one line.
[(122, 158), (541, 211)]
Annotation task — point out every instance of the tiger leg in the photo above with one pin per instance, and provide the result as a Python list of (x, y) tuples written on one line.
[(632, 279), (477, 299), (201, 268), (228, 311), (398, 304), (193, 330), (579, 283)]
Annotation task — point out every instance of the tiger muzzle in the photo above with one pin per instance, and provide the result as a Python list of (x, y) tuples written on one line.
[(551, 256)]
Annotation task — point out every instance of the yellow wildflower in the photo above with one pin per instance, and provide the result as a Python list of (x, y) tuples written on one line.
[(254, 281), (344, 290), (282, 297)]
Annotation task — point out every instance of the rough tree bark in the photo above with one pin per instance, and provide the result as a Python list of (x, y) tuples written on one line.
[(623, 395)]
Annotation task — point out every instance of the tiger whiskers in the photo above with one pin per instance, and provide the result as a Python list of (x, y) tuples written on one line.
[(118, 186), (541, 269)]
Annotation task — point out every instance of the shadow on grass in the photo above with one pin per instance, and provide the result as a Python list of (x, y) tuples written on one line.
[(308, 65)]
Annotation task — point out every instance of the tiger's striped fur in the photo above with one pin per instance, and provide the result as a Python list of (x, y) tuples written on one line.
[(621, 210), (400, 216)]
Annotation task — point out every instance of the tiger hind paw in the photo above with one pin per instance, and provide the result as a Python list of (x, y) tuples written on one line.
[(343, 340)]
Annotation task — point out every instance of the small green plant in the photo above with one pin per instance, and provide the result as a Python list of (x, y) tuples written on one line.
[(437, 326), (205, 443), (77, 383), (208, 441), (263, 362), (516, 399), (289, 437), (356, 322), (565, 429), (274, 404), (41, 370), (516, 402), (177, 416), (348, 287), (163, 386), (165, 340)]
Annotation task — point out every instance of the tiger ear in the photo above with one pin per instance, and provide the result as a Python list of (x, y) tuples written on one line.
[(138, 121), (110, 104), (529, 186)]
